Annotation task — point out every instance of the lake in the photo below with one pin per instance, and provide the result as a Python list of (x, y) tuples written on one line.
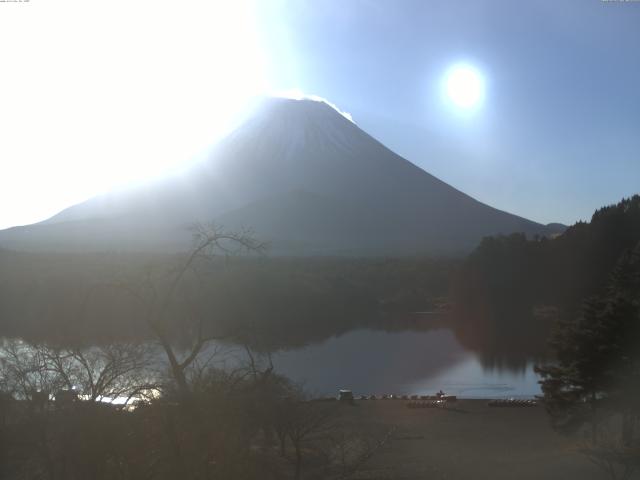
[(405, 362), (372, 361)]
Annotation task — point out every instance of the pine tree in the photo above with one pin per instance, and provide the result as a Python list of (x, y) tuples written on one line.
[(595, 381)]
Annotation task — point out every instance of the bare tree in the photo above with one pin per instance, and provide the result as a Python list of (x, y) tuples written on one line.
[(78, 433), (111, 373), (305, 422), (159, 296), (115, 372), (350, 451)]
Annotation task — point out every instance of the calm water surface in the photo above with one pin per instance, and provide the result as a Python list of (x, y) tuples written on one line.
[(379, 362)]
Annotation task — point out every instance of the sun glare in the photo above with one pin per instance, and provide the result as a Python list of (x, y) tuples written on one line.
[(117, 92), (464, 86)]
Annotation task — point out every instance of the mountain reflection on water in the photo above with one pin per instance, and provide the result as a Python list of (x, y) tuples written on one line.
[(402, 362)]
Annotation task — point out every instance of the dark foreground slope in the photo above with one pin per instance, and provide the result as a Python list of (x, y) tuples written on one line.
[(468, 440), (301, 175)]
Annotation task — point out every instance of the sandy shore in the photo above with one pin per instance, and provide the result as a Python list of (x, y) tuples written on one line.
[(470, 440)]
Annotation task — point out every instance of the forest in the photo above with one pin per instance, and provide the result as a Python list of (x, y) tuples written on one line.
[(290, 301), (511, 290)]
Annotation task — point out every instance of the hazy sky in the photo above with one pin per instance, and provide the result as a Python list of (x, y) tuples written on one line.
[(94, 94)]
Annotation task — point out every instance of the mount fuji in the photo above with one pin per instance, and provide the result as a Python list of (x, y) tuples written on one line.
[(304, 178)]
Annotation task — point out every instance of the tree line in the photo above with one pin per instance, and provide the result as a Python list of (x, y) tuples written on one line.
[(511, 289), (283, 302)]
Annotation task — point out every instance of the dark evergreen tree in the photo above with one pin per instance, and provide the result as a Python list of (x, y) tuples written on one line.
[(573, 386), (596, 378), (598, 353)]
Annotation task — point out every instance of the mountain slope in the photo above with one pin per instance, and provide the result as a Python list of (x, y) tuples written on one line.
[(305, 178)]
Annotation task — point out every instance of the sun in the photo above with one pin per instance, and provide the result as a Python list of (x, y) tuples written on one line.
[(464, 86)]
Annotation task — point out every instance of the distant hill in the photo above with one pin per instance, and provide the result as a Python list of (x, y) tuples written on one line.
[(305, 179)]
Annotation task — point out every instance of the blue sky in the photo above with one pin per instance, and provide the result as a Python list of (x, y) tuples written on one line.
[(96, 94), (559, 132)]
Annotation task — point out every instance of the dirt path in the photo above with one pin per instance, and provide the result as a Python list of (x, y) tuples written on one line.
[(469, 441)]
